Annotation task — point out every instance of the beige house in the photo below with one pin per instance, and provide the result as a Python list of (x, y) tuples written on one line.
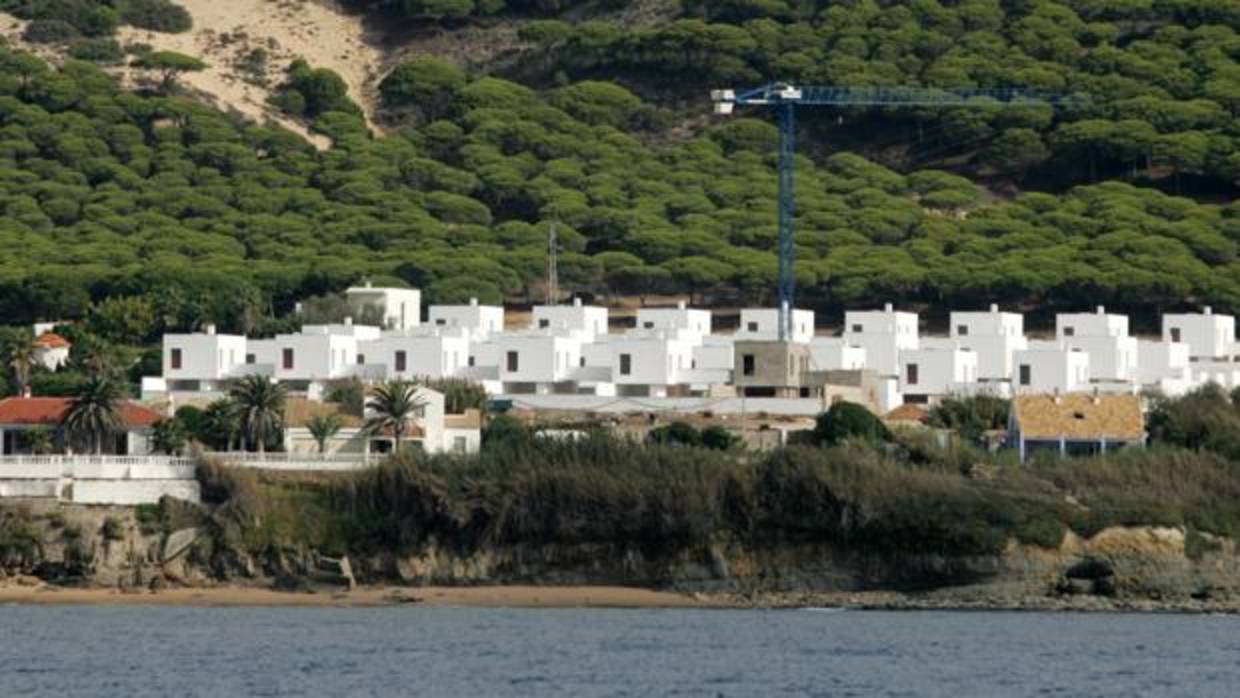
[(1075, 423)]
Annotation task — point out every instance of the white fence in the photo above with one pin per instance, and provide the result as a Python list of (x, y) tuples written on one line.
[(88, 479), (297, 461)]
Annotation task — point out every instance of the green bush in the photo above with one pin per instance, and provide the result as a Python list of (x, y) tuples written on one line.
[(849, 420), (112, 530), (156, 15), (50, 31), (97, 51)]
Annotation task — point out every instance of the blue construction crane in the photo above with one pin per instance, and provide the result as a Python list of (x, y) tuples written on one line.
[(785, 98)]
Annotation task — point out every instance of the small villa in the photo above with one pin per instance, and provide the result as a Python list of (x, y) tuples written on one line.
[(51, 350), (19, 416), (1075, 423)]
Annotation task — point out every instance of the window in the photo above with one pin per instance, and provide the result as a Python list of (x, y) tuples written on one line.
[(962, 330), (287, 358), (648, 325), (361, 359), (1069, 331), (753, 327), (440, 321), (911, 374), (473, 361), (544, 323), (513, 363), (175, 359), (1175, 334), (401, 361), (250, 359), (858, 328), (1026, 374), (459, 443), (747, 364), (626, 364), (581, 362)]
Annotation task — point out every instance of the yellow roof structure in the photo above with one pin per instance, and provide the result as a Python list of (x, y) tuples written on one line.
[(1079, 417)]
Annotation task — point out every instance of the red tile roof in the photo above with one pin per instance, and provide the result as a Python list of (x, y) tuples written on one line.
[(49, 410), (51, 340)]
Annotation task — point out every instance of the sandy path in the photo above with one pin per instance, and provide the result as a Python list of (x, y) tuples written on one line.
[(225, 30), (481, 597)]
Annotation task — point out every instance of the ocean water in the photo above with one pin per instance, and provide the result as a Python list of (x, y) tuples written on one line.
[(133, 651)]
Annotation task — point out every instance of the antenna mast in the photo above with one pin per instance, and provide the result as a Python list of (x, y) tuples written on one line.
[(553, 272)]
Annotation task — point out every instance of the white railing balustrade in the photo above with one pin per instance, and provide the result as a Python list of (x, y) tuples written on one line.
[(297, 461)]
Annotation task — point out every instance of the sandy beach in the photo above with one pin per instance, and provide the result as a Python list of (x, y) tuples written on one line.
[(483, 597)]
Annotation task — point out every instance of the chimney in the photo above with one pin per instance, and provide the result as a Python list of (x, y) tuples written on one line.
[(348, 321), (1056, 398), (210, 328), (1208, 310), (994, 307), (473, 302), (1102, 310), (1097, 396), (576, 302), (887, 307)]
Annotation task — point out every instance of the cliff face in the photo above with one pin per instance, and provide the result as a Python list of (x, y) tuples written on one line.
[(115, 546)]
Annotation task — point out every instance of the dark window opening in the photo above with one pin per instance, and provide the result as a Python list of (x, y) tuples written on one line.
[(287, 359), (176, 359), (544, 323), (857, 328), (1069, 331), (753, 327), (1026, 374), (250, 359), (1175, 334), (962, 330), (513, 362), (626, 364), (911, 374), (747, 364), (401, 361)]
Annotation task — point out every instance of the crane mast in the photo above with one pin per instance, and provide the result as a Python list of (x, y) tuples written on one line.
[(785, 99)]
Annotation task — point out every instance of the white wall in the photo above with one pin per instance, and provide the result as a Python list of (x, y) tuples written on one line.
[(133, 492), (653, 359), (540, 358), (563, 318), (939, 371), (472, 440), (1162, 360), (204, 356), (678, 318), (1207, 335), (1051, 369), (835, 354), (763, 324), (432, 356), (1111, 358)]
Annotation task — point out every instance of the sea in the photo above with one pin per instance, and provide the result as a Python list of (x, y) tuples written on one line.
[(126, 652)]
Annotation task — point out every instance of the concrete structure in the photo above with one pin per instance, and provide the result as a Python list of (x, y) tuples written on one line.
[(111, 480), (400, 308), (1209, 337), (774, 369), (1049, 367), (883, 334)]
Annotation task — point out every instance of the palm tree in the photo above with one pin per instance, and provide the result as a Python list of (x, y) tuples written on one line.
[(219, 424), (322, 427), (393, 405), (168, 436), (21, 362), (260, 409), (94, 413)]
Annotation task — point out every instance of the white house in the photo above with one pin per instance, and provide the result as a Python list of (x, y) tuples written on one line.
[(318, 353), (1096, 324), (763, 324), (19, 415), (430, 354), (590, 319), (199, 362), (538, 362), (1049, 367), (1112, 358), (401, 307), (994, 335), (1208, 336), (51, 351), (481, 321), (935, 371), (679, 318), (883, 334), (652, 362)]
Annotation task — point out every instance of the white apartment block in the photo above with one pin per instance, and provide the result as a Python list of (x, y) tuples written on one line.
[(883, 334), (679, 318), (936, 371), (480, 321), (589, 319), (1209, 337), (1164, 366), (1099, 323), (835, 354)]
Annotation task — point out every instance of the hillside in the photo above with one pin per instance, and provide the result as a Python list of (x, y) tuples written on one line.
[(450, 134)]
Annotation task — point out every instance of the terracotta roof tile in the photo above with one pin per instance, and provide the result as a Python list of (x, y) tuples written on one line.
[(49, 410), (51, 340), (1079, 416)]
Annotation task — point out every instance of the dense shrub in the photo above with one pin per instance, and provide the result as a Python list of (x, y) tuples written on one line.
[(971, 416), (50, 31), (156, 15), (97, 51), (849, 420)]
